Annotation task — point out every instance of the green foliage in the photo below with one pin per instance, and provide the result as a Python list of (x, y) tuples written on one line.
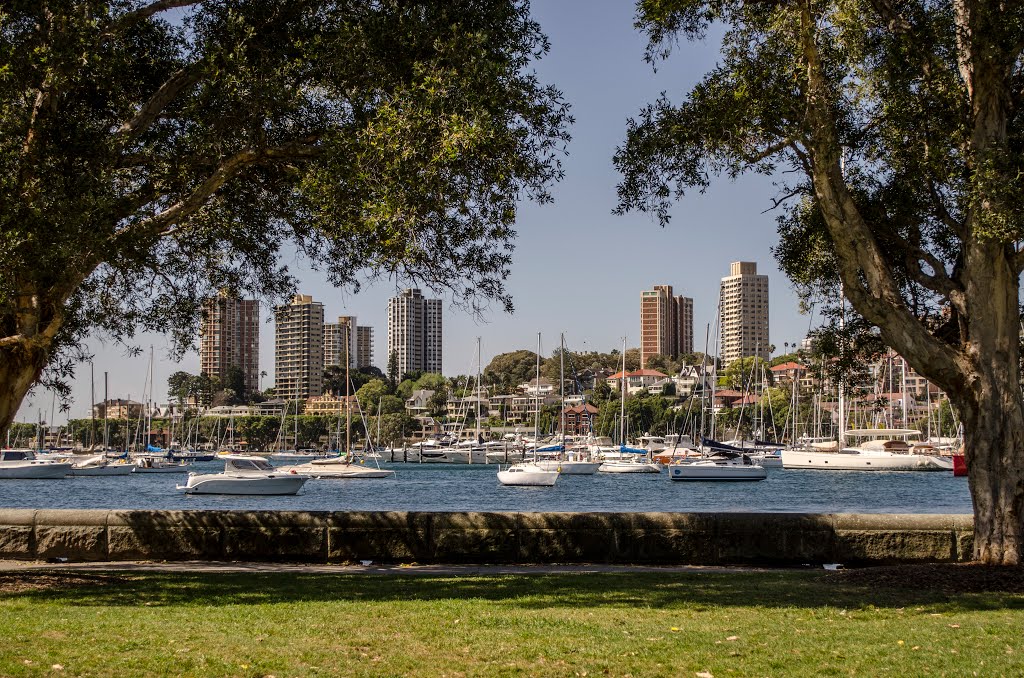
[(258, 432), (370, 394), (507, 370), (150, 163)]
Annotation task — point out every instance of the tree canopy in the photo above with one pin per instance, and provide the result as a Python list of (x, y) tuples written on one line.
[(894, 131), (156, 152)]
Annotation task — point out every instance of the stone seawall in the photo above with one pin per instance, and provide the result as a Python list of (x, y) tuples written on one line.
[(485, 538)]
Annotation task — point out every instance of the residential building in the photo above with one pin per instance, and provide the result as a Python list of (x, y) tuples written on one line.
[(334, 341), (329, 404), (118, 408), (635, 381), (414, 332), (230, 337), (666, 323), (299, 348), (579, 419), (364, 346), (744, 313)]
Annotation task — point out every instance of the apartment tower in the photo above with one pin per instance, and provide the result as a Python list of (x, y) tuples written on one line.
[(360, 343), (414, 332), (299, 348), (744, 313), (666, 323), (230, 337)]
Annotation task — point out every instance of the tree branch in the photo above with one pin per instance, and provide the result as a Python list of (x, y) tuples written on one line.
[(227, 170), (144, 13), (895, 22), (179, 81), (876, 296)]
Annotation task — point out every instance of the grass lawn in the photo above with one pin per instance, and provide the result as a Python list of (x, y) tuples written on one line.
[(778, 623)]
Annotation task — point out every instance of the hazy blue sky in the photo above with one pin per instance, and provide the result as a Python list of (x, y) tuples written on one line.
[(578, 269)]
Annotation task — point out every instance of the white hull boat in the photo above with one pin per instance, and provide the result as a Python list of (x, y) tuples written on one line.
[(527, 475), (337, 468), (569, 468), (707, 469), (629, 467), (159, 465), (23, 465), (245, 475), (854, 459), (99, 466)]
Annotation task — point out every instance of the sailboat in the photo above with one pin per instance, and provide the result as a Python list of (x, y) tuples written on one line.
[(528, 473), (569, 466), (638, 463)]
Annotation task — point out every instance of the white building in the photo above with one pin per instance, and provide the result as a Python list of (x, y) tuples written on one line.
[(744, 314), (414, 332)]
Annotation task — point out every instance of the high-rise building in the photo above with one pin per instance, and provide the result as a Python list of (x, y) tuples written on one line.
[(364, 346), (230, 337), (414, 332), (334, 341), (360, 343), (299, 348), (666, 323), (744, 313)]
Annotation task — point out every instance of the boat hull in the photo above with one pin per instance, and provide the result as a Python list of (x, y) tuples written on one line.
[(628, 467), (108, 470), (570, 468), (285, 484), (863, 461), (33, 470), (327, 471), (717, 472), (527, 475)]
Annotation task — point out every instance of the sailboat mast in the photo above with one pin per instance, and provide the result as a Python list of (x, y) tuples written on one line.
[(478, 434), (348, 405), (92, 403), (561, 393), (536, 394), (622, 398), (106, 406)]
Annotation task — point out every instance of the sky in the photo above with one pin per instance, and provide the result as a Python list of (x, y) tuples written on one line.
[(577, 269)]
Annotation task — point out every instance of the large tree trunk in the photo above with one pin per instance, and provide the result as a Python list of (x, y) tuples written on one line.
[(21, 364), (994, 440)]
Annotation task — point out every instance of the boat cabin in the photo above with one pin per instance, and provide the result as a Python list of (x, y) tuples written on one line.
[(247, 464)]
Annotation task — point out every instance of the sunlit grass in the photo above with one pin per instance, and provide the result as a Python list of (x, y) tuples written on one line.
[(743, 624)]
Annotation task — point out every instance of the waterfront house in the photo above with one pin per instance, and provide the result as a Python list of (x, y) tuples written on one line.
[(639, 380)]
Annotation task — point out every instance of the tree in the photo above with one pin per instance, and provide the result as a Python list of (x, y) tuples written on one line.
[(508, 370), (393, 370), (370, 394), (258, 432), (153, 158), (179, 386), (901, 123)]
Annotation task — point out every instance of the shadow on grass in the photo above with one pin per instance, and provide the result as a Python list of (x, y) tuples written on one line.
[(655, 590)]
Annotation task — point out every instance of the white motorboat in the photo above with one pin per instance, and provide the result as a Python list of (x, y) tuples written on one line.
[(160, 465), (629, 466), (527, 474), (337, 467), (99, 465), (717, 470), (23, 464), (245, 475), (884, 453)]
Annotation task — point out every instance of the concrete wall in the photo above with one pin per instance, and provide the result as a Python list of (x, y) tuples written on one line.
[(395, 537)]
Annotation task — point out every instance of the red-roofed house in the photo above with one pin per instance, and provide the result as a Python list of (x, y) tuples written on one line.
[(788, 372), (636, 381), (579, 419)]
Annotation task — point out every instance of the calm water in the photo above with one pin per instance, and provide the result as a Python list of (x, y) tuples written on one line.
[(442, 487)]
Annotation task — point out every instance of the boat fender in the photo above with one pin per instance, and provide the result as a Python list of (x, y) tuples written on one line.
[(293, 472)]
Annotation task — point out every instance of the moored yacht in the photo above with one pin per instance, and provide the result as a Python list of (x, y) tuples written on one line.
[(527, 474), (23, 464), (245, 474), (99, 465), (884, 450)]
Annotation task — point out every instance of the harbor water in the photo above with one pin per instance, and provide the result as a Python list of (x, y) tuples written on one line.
[(448, 487)]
